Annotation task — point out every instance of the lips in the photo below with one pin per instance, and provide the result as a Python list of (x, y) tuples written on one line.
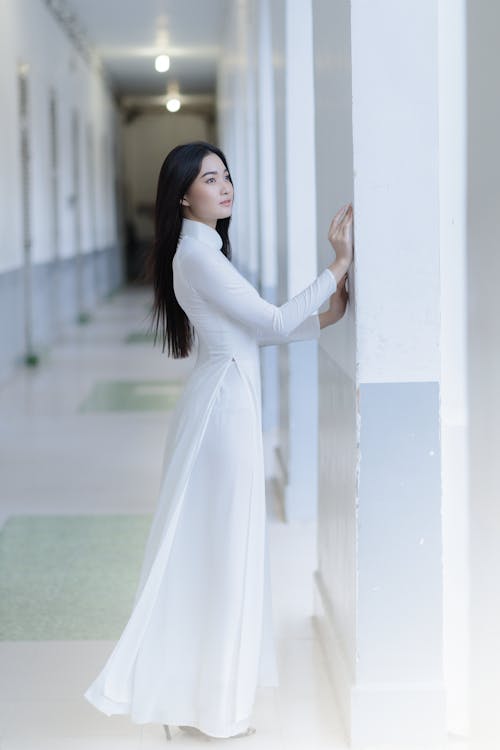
[(226, 203)]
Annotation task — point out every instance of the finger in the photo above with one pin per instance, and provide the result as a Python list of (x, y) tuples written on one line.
[(335, 222), (340, 213), (337, 219), (346, 225), (342, 219), (346, 219)]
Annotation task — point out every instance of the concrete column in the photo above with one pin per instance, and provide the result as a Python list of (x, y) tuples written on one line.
[(246, 123), (237, 127), (267, 241), (452, 188), (300, 358), (483, 371), (379, 593)]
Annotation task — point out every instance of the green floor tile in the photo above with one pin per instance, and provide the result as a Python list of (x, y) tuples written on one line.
[(132, 395), (69, 577)]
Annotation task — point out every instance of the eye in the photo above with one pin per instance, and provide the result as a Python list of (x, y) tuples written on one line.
[(210, 179), (228, 177)]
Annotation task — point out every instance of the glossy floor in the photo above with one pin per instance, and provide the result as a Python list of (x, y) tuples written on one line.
[(83, 434)]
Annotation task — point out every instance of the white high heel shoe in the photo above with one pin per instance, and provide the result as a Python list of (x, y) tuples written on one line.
[(199, 733)]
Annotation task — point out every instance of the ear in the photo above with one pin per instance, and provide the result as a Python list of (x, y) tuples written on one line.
[(184, 202)]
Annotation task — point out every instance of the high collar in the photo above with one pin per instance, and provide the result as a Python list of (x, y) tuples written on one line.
[(202, 232)]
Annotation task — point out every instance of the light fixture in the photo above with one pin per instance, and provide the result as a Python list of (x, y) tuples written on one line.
[(162, 63), (173, 101), (173, 104)]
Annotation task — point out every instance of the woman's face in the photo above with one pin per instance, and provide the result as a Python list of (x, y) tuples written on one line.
[(210, 195)]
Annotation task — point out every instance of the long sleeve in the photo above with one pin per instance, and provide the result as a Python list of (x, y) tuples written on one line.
[(216, 280), (307, 330)]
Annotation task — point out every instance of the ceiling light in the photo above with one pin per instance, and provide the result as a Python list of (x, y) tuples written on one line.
[(173, 104), (173, 98), (162, 63)]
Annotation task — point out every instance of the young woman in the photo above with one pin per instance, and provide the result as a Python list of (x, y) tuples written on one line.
[(199, 639)]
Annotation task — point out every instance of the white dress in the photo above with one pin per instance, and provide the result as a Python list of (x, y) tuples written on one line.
[(199, 639)]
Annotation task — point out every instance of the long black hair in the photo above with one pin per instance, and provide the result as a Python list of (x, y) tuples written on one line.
[(179, 170)]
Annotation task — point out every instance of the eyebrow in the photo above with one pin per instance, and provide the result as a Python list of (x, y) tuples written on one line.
[(204, 175)]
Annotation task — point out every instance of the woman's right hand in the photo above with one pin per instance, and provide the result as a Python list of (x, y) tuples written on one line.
[(340, 237)]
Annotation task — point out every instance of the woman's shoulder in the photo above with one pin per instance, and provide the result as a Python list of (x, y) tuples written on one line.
[(190, 248), (188, 241)]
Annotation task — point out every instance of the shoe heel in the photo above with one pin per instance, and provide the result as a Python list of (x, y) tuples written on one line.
[(167, 731)]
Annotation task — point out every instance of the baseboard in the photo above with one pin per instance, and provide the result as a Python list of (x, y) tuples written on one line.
[(336, 660), (398, 715), (388, 715)]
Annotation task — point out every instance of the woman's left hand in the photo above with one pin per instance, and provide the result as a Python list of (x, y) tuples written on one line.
[(338, 304), (338, 300)]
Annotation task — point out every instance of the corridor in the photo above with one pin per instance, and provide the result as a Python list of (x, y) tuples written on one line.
[(81, 447), (381, 436)]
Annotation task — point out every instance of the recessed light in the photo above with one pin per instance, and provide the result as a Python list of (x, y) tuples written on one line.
[(173, 104), (162, 63)]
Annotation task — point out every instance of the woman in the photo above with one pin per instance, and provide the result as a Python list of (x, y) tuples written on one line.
[(199, 639)]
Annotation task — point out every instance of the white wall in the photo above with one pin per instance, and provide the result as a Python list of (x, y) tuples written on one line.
[(30, 35), (10, 189), (60, 249)]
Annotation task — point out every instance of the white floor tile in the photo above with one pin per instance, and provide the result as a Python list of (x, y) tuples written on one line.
[(44, 718), (72, 743)]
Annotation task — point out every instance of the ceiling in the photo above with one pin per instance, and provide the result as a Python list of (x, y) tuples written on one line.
[(128, 34)]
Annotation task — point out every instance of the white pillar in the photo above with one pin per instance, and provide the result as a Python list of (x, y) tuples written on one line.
[(379, 593), (452, 164), (301, 266), (267, 240), (237, 126)]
